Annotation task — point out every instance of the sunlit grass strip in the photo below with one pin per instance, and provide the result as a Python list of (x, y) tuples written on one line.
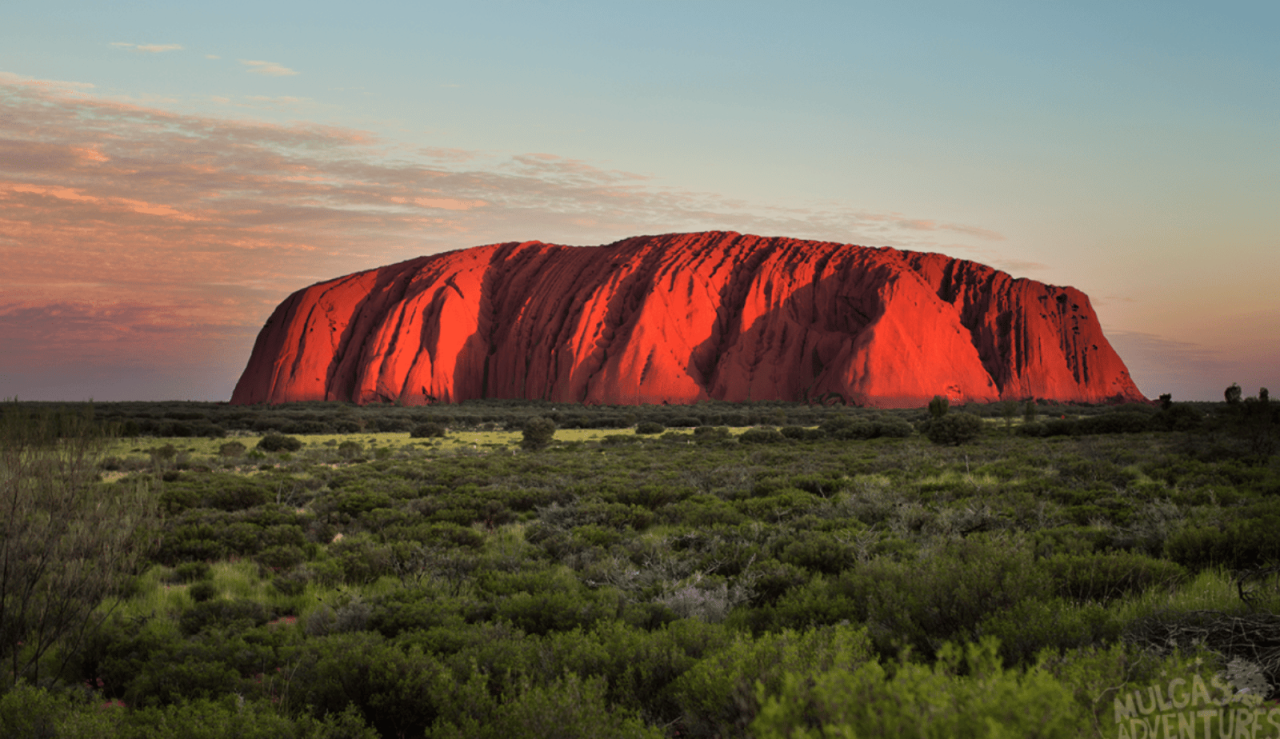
[(154, 595), (196, 448), (1210, 590)]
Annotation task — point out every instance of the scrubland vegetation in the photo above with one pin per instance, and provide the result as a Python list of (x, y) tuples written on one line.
[(501, 569)]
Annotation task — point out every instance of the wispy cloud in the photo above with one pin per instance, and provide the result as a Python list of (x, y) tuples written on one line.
[(920, 224), (270, 69), (125, 227), (148, 48)]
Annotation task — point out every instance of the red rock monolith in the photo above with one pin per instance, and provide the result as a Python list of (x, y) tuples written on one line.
[(682, 318)]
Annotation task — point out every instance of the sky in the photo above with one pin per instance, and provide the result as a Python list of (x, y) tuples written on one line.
[(171, 171)]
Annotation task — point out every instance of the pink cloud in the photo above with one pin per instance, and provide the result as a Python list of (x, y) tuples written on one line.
[(270, 69), (148, 48), (130, 231)]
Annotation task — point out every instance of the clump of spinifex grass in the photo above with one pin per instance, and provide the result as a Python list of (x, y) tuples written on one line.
[(1210, 590)]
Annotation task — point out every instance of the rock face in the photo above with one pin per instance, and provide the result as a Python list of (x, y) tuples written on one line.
[(682, 318)]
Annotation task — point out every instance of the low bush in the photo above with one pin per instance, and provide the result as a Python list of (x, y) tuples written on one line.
[(967, 693), (203, 591), (1105, 577), (711, 434), (193, 571), (221, 613), (761, 436), (720, 695), (571, 707), (1241, 544), (427, 431), (953, 429), (280, 557), (1033, 625), (279, 443), (232, 449), (944, 594)]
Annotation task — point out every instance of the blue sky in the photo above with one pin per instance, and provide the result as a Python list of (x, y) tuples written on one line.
[(171, 171)]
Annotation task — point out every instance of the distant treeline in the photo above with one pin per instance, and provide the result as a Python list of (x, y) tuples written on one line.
[(1034, 418)]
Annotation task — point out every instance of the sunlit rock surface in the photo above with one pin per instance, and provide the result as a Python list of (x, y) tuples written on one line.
[(682, 318)]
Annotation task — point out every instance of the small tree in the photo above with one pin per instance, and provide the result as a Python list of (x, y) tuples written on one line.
[(538, 433), (1009, 409), (938, 406), (1233, 394), (67, 542), (1030, 411)]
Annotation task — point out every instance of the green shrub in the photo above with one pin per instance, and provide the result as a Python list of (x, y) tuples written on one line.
[(544, 612), (1178, 417), (1105, 577), (413, 609), (820, 601), (537, 433), (1118, 422), (279, 443), (710, 434), (569, 708), (893, 428), (397, 690), (818, 552), (845, 428), (163, 453), (203, 591), (232, 449), (1241, 544), (773, 579), (650, 427), (355, 502), (172, 681), (966, 694), (28, 711), (193, 571), (233, 495), (222, 613), (362, 559), (1033, 625), (281, 557), (291, 583), (702, 511), (761, 436), (719, 695), (427, 431), (943, 594), (1033, 428), (954, 428)]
